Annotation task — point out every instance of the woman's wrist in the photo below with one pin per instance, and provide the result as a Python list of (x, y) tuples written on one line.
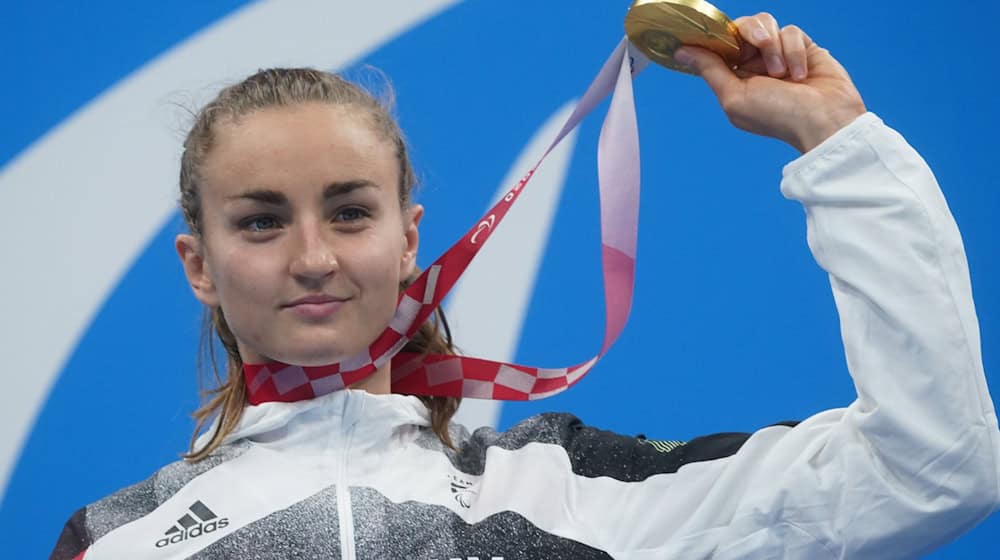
[(813, 132)]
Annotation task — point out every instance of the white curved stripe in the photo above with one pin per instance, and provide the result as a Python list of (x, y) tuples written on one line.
[(486, 314), (87, 197)]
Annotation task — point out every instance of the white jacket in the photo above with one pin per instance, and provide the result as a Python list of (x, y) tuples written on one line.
[(909, 465)]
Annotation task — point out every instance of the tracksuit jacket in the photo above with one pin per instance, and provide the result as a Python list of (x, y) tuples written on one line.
[(909, 465)]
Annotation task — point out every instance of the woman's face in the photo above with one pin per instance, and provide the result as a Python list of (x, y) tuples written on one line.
[(304, 242)]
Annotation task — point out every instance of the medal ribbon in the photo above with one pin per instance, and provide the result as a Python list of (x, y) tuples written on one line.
[(463, 376)]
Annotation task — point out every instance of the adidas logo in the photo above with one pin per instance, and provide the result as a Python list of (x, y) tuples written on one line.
[(198, 521)]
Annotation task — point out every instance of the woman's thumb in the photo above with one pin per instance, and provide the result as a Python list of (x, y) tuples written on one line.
[(710, 67)]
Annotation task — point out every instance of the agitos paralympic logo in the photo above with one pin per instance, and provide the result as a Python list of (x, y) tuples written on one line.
[(198, 521)]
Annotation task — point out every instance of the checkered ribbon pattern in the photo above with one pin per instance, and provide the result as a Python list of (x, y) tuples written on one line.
[(464, 376)]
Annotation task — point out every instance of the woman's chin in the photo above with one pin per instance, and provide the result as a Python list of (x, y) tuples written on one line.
[(313, 357), (306, 351)]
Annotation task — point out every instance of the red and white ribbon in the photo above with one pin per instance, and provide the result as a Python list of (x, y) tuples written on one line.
[(463, 376)]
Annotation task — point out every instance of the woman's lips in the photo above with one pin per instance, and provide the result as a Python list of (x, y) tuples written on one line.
[(315, 307)]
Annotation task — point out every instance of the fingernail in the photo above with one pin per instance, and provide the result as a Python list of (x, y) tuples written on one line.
[(798, 72), (776, 64), (759, 34), (683, 56)]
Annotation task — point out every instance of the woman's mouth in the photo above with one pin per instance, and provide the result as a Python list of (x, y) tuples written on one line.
[(318, 306)]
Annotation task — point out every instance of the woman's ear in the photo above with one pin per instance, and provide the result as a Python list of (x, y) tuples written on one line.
[(190, 250), (411, 239)]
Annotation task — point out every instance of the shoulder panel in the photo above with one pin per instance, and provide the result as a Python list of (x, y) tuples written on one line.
[(593, 452)]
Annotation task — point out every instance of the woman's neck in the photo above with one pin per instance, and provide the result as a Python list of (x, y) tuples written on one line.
[(378, 383), (280, 382)]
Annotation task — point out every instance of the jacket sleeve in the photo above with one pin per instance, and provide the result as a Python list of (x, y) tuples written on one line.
[(912, 463), (74, 539)]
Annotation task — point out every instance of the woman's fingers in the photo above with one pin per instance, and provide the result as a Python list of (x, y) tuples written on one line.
[(777, 52), (761, 31), (753, 67), (794, 42)]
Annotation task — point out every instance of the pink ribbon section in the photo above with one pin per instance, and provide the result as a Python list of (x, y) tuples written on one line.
[(463, 376)]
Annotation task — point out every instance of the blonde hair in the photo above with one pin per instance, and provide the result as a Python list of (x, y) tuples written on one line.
[(275, 88)]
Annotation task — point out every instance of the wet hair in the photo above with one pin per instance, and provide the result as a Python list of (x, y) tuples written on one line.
[(282, 87)]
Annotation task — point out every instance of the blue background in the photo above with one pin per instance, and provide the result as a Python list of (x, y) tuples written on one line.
[(733, 328)]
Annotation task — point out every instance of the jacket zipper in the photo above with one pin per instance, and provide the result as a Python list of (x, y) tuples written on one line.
[(344, 509)]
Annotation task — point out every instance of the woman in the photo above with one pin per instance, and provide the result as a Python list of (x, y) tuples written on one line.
[(296, 189)]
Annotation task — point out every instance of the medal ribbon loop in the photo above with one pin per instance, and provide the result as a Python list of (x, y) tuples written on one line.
[(463, 376)]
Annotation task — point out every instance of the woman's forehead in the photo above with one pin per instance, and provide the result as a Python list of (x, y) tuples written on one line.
[(310, 143)]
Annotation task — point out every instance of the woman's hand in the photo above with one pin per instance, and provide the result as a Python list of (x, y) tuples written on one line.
[(785, 86)]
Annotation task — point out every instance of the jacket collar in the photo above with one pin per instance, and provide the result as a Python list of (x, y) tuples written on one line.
[(373, 418)]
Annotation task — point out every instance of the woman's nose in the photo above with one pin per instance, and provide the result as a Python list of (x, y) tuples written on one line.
[(314, 256)]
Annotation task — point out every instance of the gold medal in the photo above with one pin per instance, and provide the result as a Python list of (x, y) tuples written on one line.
[(660, 27)]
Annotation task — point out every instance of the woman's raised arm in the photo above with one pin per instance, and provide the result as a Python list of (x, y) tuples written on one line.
[(912, 463)]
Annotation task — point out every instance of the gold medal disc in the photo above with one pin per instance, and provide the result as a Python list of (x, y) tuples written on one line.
[(660, 27)]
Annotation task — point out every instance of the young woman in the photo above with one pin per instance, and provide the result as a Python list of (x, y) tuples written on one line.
[(296, 187)]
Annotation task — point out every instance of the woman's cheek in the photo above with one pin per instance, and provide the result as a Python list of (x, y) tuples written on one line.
[(247, 276)]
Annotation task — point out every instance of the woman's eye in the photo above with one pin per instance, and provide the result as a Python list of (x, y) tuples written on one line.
[(351, 214), (260, 223)]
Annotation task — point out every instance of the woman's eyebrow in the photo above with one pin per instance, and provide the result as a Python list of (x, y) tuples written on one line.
[(341, 188), (276, 198), (261, 195)]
